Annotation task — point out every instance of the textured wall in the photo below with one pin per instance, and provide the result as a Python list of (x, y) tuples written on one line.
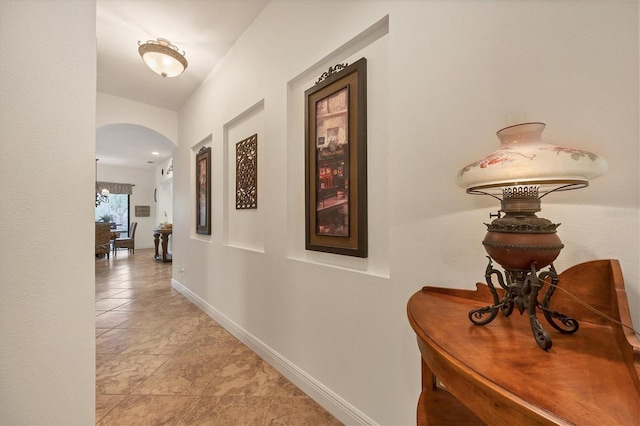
[(47, 134)]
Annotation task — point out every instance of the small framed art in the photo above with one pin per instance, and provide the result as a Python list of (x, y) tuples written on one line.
[(203, 191)]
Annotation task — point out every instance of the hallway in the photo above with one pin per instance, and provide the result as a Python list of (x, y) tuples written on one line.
[(160, 360)]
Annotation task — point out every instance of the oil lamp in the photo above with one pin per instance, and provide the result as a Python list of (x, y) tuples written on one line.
[(522, 171)]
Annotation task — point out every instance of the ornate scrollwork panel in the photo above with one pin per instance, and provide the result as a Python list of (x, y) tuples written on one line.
[(247, 173)]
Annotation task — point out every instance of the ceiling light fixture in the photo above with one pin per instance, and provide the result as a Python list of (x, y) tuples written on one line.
[(163, 57), (101, 196)]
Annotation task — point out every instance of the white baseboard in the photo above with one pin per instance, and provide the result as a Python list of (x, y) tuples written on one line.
[(332, 402)]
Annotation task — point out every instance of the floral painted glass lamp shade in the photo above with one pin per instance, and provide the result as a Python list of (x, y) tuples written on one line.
[(524, 159)]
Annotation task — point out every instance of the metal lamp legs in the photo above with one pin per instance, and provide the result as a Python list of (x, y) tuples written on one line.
[(521, 291)]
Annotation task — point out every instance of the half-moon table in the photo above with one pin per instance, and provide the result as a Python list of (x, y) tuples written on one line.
[(497, 374)]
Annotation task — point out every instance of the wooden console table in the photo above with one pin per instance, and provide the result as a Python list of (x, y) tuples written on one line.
[(497, 374), (162, 234)]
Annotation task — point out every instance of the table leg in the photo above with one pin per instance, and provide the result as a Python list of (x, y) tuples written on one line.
[(165, 246), (166, 257), (156, 241)]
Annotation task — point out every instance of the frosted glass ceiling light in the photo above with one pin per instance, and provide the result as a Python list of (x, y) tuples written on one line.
[(163, 57), (523, 170)]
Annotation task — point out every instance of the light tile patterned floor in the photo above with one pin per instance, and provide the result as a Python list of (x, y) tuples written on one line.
[(162, 361)]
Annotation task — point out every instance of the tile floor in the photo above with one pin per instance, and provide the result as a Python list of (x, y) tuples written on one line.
[(162, 361)]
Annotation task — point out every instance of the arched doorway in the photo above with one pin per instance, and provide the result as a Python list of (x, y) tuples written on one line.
[(140, 156)]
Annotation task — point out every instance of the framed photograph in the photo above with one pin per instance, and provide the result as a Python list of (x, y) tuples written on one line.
[(203, 191), (143, 211), (247, 173), (336, 161)]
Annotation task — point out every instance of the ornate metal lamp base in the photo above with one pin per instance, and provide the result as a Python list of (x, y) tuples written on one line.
[(522, 289)]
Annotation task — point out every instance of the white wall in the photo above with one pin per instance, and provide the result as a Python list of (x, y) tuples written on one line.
[(142, 195), (112, 109), (442, 77), (47, 157)]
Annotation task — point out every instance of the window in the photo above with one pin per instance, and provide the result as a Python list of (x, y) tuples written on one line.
[(116, 212)]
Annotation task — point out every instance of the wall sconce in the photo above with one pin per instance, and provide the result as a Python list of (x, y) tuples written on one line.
[(163, 57), (523, 170)]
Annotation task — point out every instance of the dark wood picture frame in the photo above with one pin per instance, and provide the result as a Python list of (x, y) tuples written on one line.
[(336, 161), (203, 191)]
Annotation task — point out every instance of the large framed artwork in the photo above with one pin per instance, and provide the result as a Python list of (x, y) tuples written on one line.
[(203, 191), (247, 173), (336, 161)]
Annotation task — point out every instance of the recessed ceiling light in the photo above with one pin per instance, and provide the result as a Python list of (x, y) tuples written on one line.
[(155, 153), (150, 162)]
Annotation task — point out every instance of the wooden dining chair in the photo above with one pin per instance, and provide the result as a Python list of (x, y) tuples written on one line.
[(102, 239), (128, 242)]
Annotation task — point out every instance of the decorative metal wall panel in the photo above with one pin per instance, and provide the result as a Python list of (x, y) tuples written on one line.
[(247, 173)]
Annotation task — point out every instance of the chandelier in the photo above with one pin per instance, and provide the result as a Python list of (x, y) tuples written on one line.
[(163, 57), (101, 196)]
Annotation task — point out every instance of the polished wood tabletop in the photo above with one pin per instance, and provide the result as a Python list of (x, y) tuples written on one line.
[(497, 374)]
